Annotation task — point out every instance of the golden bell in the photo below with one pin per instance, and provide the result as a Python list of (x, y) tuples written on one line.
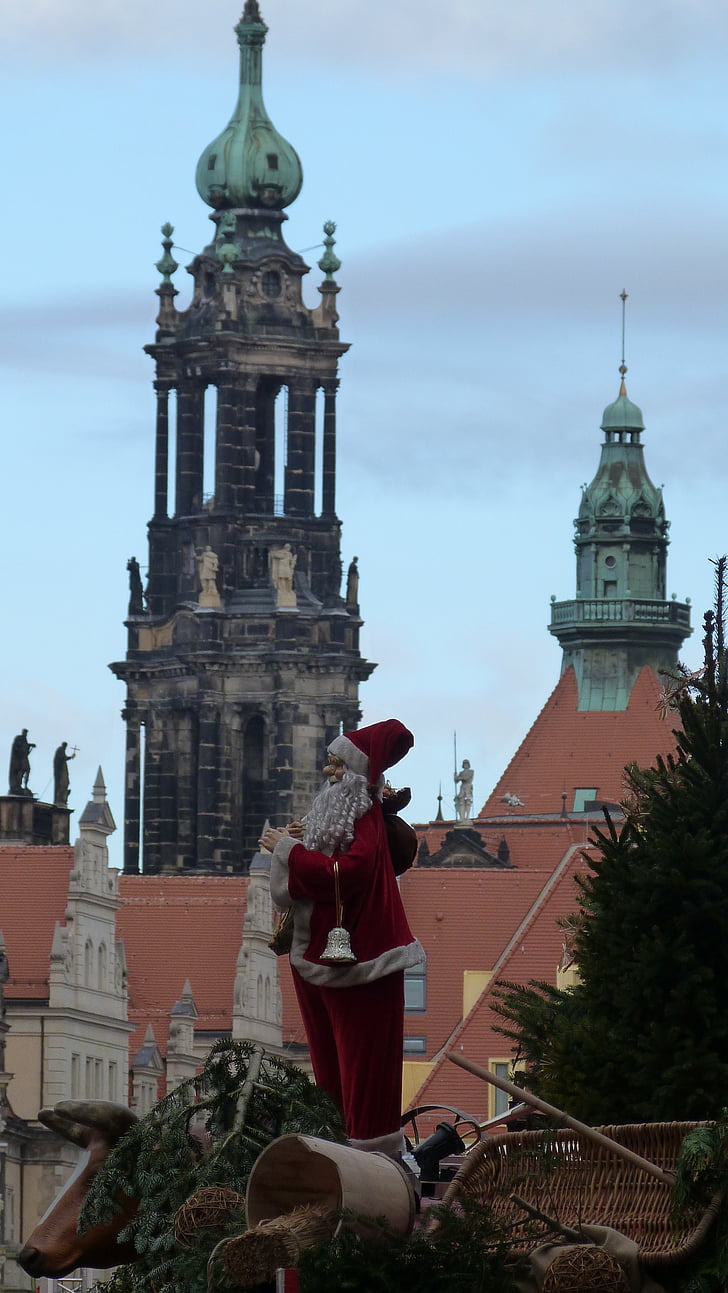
[(338, 947)]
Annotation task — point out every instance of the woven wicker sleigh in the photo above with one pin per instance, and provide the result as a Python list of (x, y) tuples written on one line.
[(569, 1177)]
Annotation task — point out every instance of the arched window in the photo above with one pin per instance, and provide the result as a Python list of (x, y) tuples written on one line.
[(88, 961), (102, 965)]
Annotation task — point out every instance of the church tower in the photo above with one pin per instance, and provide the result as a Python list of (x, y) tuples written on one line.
[(243, 656), (619, 620)]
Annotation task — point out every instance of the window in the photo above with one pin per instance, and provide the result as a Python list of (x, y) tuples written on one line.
[(498, 1098), (271, 284), (582, 797), (272, 160), (75, 1077), (7, 1232), (415, 1045), (415, 988), (112, 1081)]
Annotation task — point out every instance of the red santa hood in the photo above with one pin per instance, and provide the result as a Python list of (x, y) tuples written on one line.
[(370, 750)]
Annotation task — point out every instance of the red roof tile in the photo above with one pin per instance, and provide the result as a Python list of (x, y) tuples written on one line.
[(567, 749), (176, 928), (187, 927), (534, 954), (33, 894)]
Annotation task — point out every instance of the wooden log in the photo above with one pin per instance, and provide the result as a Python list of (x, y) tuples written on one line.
[(590, 1132)]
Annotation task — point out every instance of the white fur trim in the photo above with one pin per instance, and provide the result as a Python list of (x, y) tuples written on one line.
[(346, 976), (350, 754)]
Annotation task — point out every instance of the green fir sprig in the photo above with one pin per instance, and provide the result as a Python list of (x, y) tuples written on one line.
[(241, 1100), (467, 1253)]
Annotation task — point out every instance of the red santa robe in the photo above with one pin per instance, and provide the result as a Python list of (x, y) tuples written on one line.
[(353, 1014)]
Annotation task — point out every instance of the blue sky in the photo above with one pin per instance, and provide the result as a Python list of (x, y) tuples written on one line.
[(498, 174)]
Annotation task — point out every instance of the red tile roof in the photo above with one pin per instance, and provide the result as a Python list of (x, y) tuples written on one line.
[(533, 954), (567, 749), (187, 927), (33, 895), (176, 928)]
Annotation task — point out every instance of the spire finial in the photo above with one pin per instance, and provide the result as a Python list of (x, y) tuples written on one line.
[(167, 264), (329, 262), (623, 367)]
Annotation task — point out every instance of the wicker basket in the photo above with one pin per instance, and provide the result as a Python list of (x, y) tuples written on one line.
[(569, 1177)]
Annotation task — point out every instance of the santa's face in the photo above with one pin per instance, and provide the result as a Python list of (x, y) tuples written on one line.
[(334, 769)]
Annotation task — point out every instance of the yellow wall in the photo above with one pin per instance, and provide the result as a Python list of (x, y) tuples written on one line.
[(414, 1073), (568, 978), (474, 982)]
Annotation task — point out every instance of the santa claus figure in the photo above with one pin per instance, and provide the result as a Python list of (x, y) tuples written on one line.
[(353, 1011)]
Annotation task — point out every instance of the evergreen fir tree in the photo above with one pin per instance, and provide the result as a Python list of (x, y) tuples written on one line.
[(644, 1035)]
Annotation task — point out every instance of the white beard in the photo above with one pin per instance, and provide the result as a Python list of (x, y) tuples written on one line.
[(329, 824)]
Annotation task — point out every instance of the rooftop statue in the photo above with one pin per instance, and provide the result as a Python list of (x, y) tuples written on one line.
[(464, 796), (208, 565), (136, 594), (282, 566), (61, 783), (20, 765)]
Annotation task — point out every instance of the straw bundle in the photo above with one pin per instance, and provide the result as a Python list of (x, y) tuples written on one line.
[(254, 1257)]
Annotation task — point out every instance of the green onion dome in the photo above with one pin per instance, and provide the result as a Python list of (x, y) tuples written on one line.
[(249, 164)]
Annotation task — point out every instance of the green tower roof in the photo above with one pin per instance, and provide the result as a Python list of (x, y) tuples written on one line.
[(249, 164), (622, 415)]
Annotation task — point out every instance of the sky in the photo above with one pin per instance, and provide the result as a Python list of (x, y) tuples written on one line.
[(498, 172)]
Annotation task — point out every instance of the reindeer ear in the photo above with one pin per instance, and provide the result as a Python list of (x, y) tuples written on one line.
[(65, 1127), (113, 1120)]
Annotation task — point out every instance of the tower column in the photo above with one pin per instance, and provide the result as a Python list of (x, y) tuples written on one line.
[(210, 807), (301, 440), (258, 410), (152, 816), (328, 493), (132, 820), (161, 456), (186, 745), (190, 448), (246, 439), (283, 770), (227, 448)]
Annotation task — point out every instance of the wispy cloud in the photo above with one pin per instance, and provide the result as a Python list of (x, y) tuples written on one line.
[(408, 34)]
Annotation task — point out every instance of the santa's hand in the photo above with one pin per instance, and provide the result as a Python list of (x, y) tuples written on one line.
[(270, 838), (295, 829)]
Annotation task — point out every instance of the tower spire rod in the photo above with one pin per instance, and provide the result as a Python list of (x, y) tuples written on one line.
[(623, 367)]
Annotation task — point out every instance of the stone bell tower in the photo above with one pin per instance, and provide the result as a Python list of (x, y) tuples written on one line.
[(243, 656)]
